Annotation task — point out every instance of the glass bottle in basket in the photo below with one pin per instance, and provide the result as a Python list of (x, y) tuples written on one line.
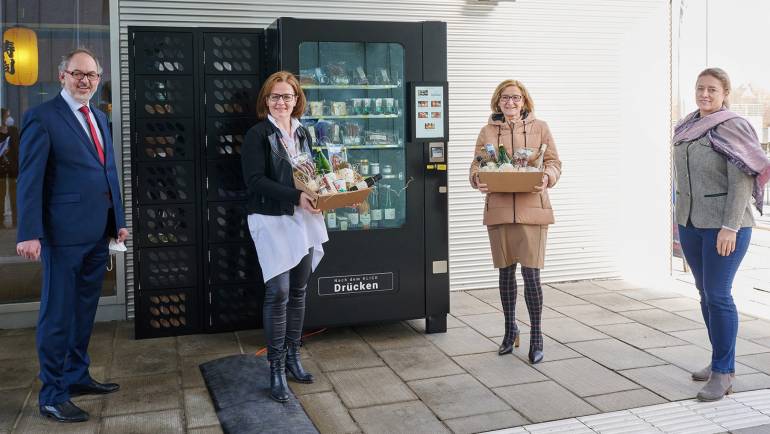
[(389, 211), (365, 216), (374, 205)]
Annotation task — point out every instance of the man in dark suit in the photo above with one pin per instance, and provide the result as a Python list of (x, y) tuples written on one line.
[(69, 208)]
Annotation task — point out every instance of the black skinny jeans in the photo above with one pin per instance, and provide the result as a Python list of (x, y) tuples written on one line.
[(283, 312)]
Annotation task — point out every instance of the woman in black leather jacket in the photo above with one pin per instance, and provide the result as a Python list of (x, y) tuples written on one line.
[(287, 230)]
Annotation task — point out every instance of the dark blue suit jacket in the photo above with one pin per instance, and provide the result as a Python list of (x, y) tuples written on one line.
[(64, 193)]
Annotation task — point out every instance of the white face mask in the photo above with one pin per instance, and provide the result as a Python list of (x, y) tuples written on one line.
[(10, 122), (115, 247)]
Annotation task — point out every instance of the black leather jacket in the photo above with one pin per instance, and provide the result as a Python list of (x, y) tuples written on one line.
[(267, 172)]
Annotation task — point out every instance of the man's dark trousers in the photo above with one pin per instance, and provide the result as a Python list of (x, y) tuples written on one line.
[(72, 283)]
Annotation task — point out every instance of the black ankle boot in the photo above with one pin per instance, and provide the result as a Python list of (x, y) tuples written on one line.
[(507, 346), (279, 391), (294, 366), (535, 356)]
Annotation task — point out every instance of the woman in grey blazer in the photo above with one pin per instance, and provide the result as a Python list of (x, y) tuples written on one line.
[(719, 166)]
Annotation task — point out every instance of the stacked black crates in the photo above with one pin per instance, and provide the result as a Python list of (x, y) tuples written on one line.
[(164, 143), (193, 96), (230, 84)]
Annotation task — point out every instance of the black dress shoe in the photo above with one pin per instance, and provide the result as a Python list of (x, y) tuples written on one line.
[(535, 356), (64, 412), (93, 388)]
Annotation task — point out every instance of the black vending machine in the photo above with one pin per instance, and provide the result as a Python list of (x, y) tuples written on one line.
[(377, 93)]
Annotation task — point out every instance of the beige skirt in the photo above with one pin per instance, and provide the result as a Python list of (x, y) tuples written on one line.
[(517, 243)]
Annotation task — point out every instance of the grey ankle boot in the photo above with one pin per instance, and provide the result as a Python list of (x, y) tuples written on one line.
[(717, 387), (702, 375)]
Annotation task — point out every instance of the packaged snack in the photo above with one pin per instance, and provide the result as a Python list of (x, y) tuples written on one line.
[(307, 76), (339, 108), (337, 73), (491, 152), (360, 76), (337, 156), (321, 77), (521, 157)]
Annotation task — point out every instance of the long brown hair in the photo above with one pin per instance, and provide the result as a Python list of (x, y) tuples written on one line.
[(723, 78), (267, 88), (529, 105)]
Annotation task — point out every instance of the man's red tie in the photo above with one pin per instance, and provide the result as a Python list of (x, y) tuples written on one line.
[(99, 150)]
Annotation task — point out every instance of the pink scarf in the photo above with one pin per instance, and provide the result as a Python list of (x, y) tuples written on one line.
[(734, 138)]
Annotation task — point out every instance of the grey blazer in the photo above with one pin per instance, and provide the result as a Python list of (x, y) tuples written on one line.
[(710, 191)]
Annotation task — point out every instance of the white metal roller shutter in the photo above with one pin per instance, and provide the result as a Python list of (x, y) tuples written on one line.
[(566, 52)]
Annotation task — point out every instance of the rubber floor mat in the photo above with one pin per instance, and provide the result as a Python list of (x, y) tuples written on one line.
[(240, 389)]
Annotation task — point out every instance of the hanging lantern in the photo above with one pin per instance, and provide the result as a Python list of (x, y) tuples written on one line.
[(20, 56)]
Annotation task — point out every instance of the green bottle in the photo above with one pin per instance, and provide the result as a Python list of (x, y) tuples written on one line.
[(502, 155), (322, 165)]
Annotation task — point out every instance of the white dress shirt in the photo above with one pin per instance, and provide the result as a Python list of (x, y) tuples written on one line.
[(75, 107)]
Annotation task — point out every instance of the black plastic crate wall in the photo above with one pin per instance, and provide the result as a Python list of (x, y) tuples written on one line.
[(166, 198), (168, 312), (231, 83), (236, 307)]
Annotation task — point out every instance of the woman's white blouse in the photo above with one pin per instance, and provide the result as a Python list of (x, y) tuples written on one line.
[(282, 241)]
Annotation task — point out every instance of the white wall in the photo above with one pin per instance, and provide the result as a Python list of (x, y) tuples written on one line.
[(691, 41), (599, 74), (643, 223)]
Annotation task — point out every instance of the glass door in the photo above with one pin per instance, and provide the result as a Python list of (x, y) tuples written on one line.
[(34, 37), (354, 75), (356, 112)]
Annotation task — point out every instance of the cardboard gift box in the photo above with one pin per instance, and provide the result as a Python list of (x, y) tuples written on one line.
[(511, 182), (326, 202)]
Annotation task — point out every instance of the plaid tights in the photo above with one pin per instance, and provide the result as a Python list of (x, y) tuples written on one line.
[(533, 295)]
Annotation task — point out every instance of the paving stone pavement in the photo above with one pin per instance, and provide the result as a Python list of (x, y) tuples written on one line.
[(616, 355), (740, 413)]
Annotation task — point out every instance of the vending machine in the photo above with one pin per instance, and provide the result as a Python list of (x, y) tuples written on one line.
[(377, 95)]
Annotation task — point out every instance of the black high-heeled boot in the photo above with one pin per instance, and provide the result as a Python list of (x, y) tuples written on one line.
[(535, 356), (279, 390), (533, 295), (507, 346), (294, 366), (508, 300)]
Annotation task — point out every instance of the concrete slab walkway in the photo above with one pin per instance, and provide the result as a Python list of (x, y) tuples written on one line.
[(609, 346)]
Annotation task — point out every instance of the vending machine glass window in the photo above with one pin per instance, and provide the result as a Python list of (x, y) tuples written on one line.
[(355, 112)]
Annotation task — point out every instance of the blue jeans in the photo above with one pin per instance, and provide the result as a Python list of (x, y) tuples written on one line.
[(714, 276)]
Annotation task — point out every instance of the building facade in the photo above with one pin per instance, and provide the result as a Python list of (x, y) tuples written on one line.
[(598, 71)]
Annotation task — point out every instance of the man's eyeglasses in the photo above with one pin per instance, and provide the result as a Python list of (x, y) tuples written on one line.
[(79, 75), (287, 97), (506, 98)]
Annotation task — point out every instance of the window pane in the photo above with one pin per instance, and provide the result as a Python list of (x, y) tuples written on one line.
[(355, 111), (53, 27)]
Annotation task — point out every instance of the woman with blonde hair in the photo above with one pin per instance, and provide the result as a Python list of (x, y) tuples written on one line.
[(719, 165), (517, 223), (288, 231)]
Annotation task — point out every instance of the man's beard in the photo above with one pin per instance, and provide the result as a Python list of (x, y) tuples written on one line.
[(81, 98)]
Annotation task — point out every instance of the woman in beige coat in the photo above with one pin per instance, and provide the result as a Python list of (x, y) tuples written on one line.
[(518, 222)]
